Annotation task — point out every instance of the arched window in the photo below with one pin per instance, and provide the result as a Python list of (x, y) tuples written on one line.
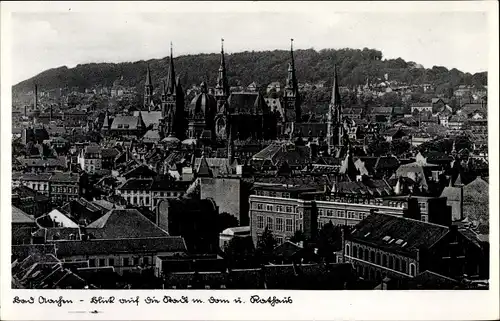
[(413, 269), (391, 262), (354, 250), (360, 253), (384, 260), (377, 260), (372, 256), (367, 257), (347, 250)]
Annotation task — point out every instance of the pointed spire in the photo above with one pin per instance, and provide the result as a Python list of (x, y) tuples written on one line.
[(148, 77), (222, 82), (335, 88), (171, 85), (291, 81), (349, 168)]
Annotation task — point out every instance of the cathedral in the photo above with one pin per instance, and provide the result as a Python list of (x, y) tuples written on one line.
[(218, 116)]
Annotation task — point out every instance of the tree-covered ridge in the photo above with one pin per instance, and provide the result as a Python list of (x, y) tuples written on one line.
[(353, 65)]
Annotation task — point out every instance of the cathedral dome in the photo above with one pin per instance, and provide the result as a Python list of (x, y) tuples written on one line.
[(203, 104)]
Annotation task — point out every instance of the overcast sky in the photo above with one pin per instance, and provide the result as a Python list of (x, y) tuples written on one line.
[(47, 40)]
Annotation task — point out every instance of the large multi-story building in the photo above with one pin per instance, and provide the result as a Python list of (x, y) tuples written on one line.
[(285, 210), (90, 158), (400, 248), (149, 192), (58, 186)]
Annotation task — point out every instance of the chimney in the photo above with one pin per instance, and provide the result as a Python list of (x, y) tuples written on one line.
[(35, 103)]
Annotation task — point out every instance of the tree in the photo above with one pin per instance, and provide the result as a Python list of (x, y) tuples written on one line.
[(226, 220), (297, 237), (329, 241), (267, 243), (378, 147), (240, 252), (399, 146), (391, 99)]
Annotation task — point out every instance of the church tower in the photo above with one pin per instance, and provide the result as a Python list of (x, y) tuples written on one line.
[(335, 128), (173, 102), (221, 95), (148, 91), (291, 96)]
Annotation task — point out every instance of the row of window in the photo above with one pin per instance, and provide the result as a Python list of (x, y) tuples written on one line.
[(388, 261), (277, 208), (167, 194), (282, 225), (39, 187), (134, 200), (342, 214), (55, 189), (273, 194), (65, 189), (125, 262), (160, 194)]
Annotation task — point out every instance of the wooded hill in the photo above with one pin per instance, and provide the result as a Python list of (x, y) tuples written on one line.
[(354, 66)]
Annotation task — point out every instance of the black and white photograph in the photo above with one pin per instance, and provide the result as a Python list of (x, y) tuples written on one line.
[(233, 150)]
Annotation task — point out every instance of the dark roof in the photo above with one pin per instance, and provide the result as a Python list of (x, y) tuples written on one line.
[(24, 191), (137, 184), (129, 245), (142, 170), (381, 110), (397, 234), (23, 251), (386, 162), (247, 102), (35, 177), (109, 152), (92, 149), (287, 249), (127, 122), (149, 117), (65, 177), (124, 223), (40, 162), (429, 280)]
